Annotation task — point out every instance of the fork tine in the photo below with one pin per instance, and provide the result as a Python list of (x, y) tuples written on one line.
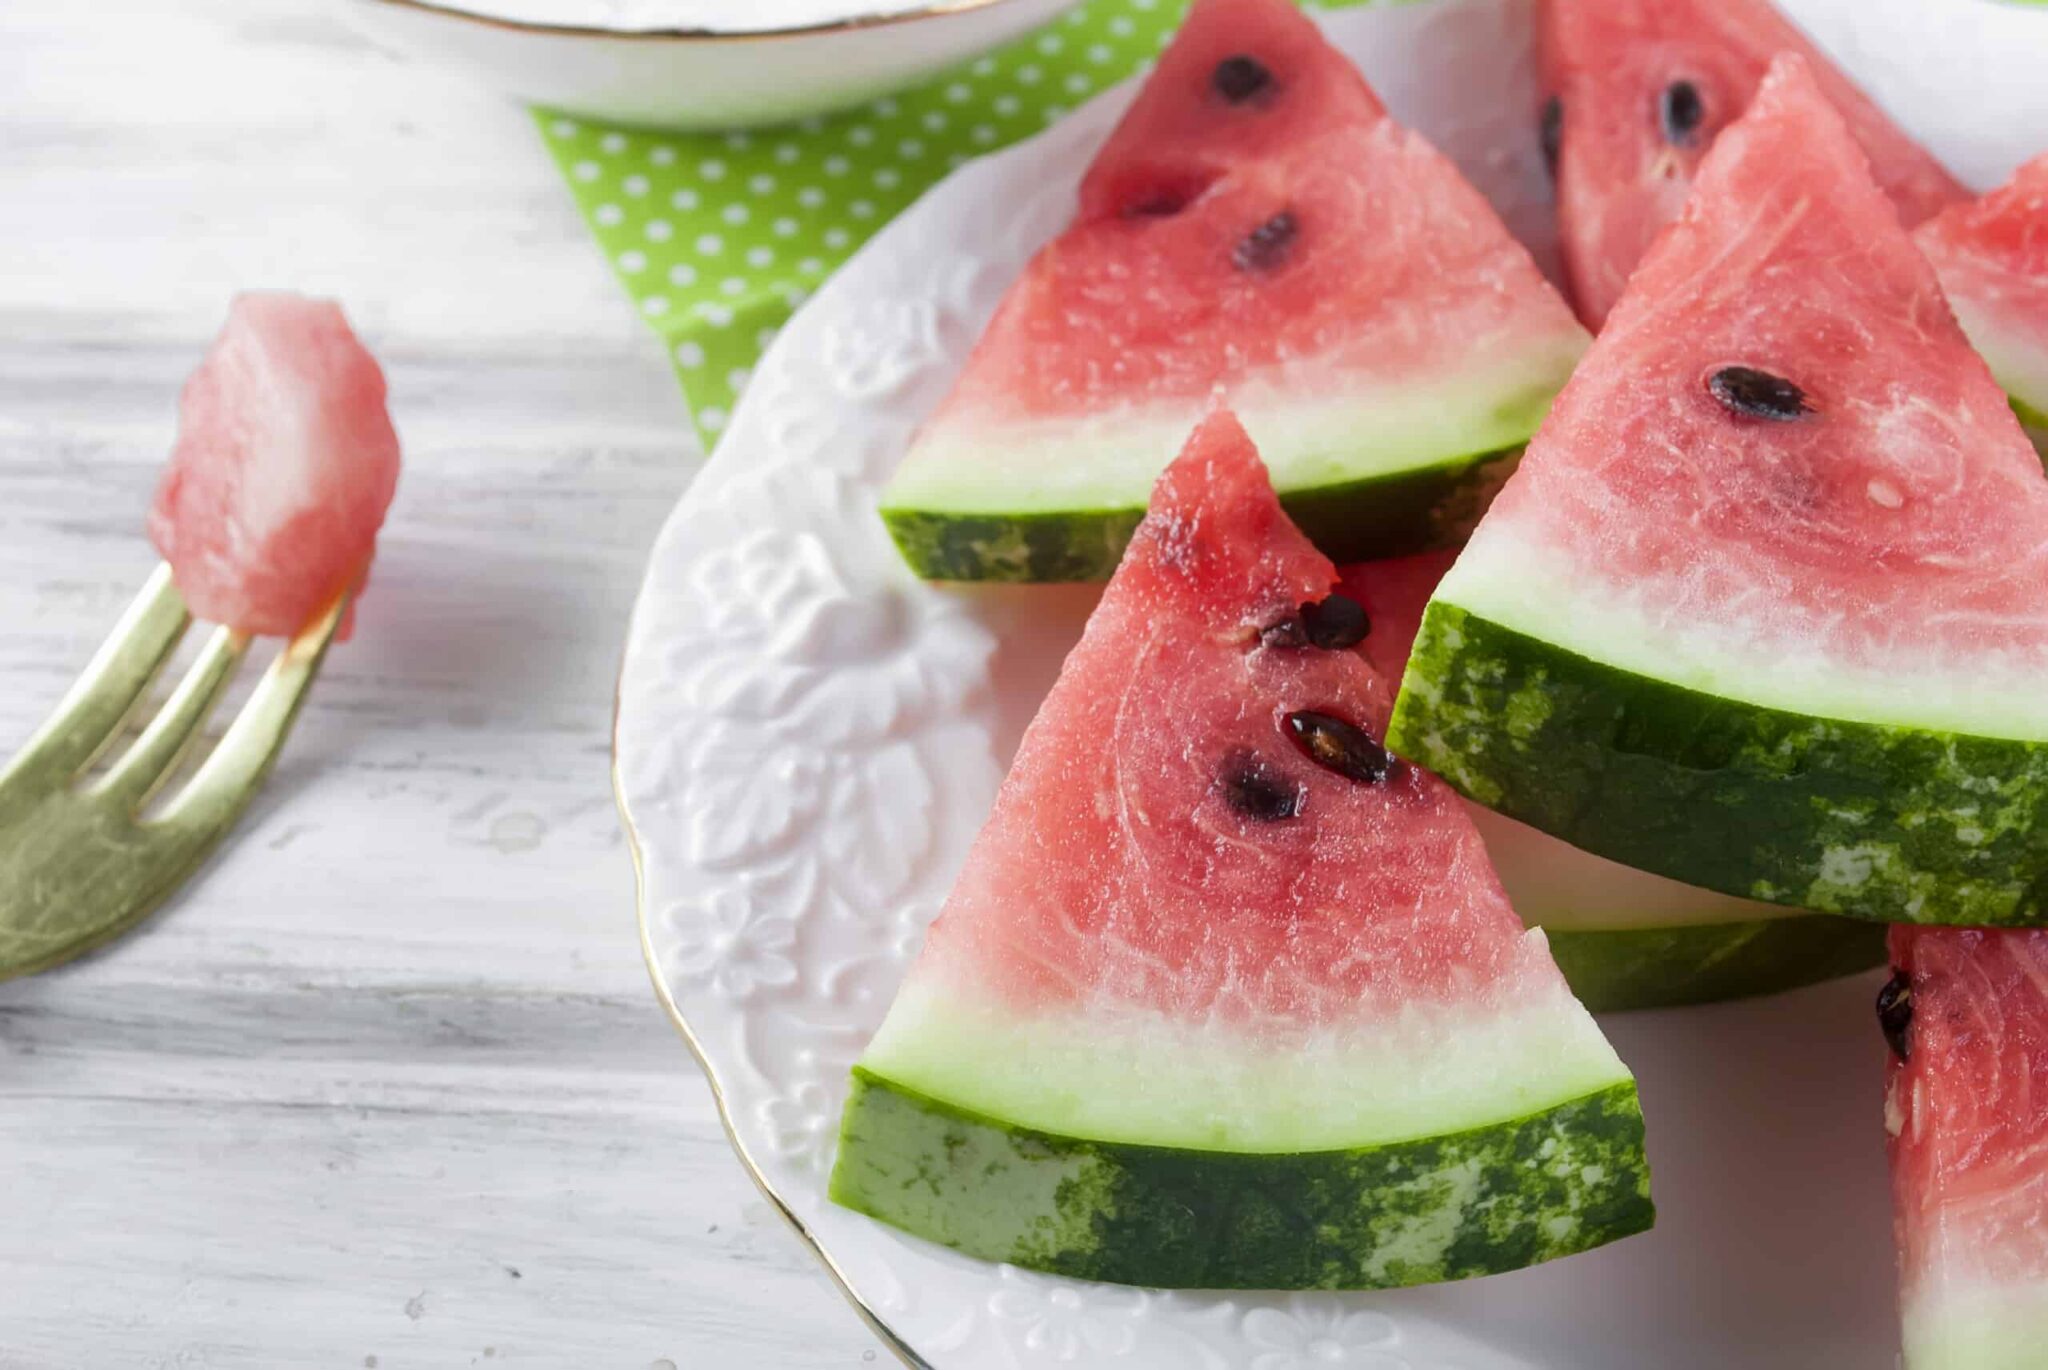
[(151, 759), (90, 712), (228, 778)]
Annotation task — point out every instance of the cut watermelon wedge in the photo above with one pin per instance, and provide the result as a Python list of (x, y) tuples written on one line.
[(1638, 91), (1225, 996), (1992, 257), (1766, 607), (1386, 341), (285, 464), (1966, 1111), (1625, 939)]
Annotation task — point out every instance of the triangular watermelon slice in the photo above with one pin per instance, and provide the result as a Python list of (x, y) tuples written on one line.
[(1225, 996), (1992, 257), (1386, 341), (1624, 938), (1766, 607), (1966, 1111), (1637, 91)]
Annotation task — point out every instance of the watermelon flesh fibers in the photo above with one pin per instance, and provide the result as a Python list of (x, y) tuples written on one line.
[(1624, 938), (1387, 342), (1201, 1007), (1992, 257), (1966, 1114), (1765, 608), (284, 466), (1639, 91)]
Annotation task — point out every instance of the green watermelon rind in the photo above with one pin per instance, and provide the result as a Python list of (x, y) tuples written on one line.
[(1382, 515), (1616, 970), (1477, 1202), (2035, 423), (1626, 939), (1868, 820)]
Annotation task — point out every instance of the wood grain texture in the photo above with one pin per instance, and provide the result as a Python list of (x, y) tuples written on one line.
[(387, 1086)]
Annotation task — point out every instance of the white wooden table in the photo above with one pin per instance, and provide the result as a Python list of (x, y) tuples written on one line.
[(386, 1087)]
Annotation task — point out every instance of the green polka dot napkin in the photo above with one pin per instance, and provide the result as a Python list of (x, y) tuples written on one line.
[(718, 236)]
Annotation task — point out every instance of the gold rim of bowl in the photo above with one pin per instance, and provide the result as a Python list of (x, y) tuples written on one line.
[(933, 9)]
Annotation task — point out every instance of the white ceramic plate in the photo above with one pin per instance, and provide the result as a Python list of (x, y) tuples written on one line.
[(689, 78), (808, 738)]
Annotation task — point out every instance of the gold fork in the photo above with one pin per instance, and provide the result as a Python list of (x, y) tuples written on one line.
[(80, 863)]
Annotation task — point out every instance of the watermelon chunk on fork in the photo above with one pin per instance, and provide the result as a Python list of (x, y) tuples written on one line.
[(285, 464)]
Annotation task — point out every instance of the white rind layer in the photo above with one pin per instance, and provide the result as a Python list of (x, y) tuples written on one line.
[(1745, 654), (1110, 459), (2016, 353), (1977, 1327), (1122, 1074)]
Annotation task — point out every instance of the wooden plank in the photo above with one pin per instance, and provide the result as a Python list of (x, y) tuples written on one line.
[(387, 1086)]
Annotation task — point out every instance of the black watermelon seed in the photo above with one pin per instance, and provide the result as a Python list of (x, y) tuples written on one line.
[(1265, 247), (1333, 624), (1895, 1013), (1336, 623), (1551, 130), (1335, 745), (1258, 791), (1758, 394), (1682, 111), (1237, 79)]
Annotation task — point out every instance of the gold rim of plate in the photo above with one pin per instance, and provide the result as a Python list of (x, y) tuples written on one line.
[(872, 19), (890, 1337)]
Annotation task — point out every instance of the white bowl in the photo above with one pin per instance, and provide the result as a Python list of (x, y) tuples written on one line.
[(698, 78)]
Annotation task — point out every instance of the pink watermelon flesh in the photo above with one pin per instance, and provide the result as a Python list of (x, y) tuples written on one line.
[(1196, 910), (1188, 125), (1642, 89), (1394, 267), (1905, 505), (1966, 1111), (284, 466), (1992, 257)]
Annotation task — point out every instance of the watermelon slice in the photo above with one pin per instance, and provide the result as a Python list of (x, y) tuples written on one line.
[(1766, 607), (1637, 91), (1225, 996), (1625, 939), (1385, 340), (1992, 257), (284, 466), (1966, 1111)]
